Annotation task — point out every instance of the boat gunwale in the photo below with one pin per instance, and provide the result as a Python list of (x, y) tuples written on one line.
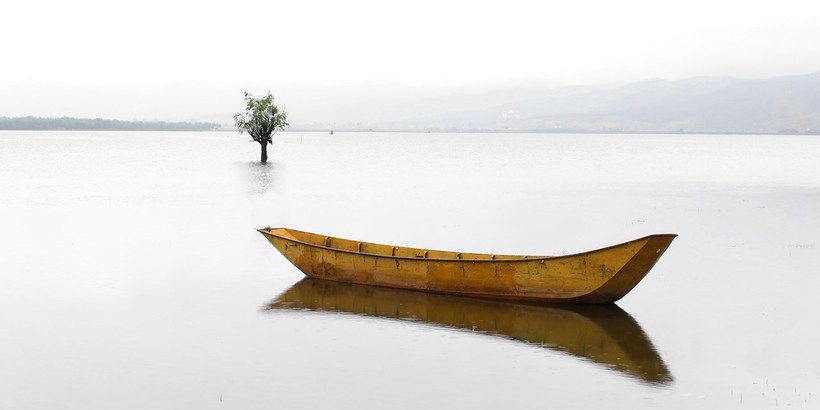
[(524, 258)]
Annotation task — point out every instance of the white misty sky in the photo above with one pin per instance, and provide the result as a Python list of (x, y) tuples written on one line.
[(92, 46)]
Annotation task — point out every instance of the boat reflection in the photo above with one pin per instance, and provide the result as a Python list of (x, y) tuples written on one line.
[(604, 334)]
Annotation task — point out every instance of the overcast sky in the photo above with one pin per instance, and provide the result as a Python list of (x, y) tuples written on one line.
[(83, 52)]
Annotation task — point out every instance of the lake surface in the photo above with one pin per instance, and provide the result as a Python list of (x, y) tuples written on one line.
[(132, 277)]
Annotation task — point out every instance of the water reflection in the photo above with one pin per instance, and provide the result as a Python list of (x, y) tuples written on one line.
[(258, 176), (604, 334)]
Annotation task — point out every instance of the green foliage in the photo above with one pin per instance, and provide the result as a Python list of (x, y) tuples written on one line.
[(261, 119)]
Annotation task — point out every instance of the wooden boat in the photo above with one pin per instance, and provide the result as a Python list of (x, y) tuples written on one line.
[(599, 276), (602, 334)]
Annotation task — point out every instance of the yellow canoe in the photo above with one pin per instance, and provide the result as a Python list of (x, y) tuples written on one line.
[(600, 276), (603, 334)]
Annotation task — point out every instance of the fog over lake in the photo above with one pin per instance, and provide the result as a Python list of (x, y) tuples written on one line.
[(132, 277)]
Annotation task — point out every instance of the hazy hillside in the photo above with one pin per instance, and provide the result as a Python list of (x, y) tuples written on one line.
[(704, 104), (99, 124), (694, 105)]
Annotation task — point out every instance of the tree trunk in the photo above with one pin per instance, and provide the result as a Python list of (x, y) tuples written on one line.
[(264, 151)]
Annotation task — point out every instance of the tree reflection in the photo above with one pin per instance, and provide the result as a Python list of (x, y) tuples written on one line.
[(259, 176)]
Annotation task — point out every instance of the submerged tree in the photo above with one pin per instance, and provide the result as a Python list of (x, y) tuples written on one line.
[(261, 119)]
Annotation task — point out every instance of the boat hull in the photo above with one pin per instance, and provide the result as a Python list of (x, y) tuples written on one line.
[(600, 276)]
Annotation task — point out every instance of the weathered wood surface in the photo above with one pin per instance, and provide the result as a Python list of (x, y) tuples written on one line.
[(600, 276)]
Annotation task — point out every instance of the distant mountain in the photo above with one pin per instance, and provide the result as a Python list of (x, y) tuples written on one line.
[(99, 124), (705, 104)]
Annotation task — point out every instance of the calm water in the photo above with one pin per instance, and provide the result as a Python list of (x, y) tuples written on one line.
[(131, 276)]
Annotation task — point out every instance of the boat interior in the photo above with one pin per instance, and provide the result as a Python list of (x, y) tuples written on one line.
[(383, 250)]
